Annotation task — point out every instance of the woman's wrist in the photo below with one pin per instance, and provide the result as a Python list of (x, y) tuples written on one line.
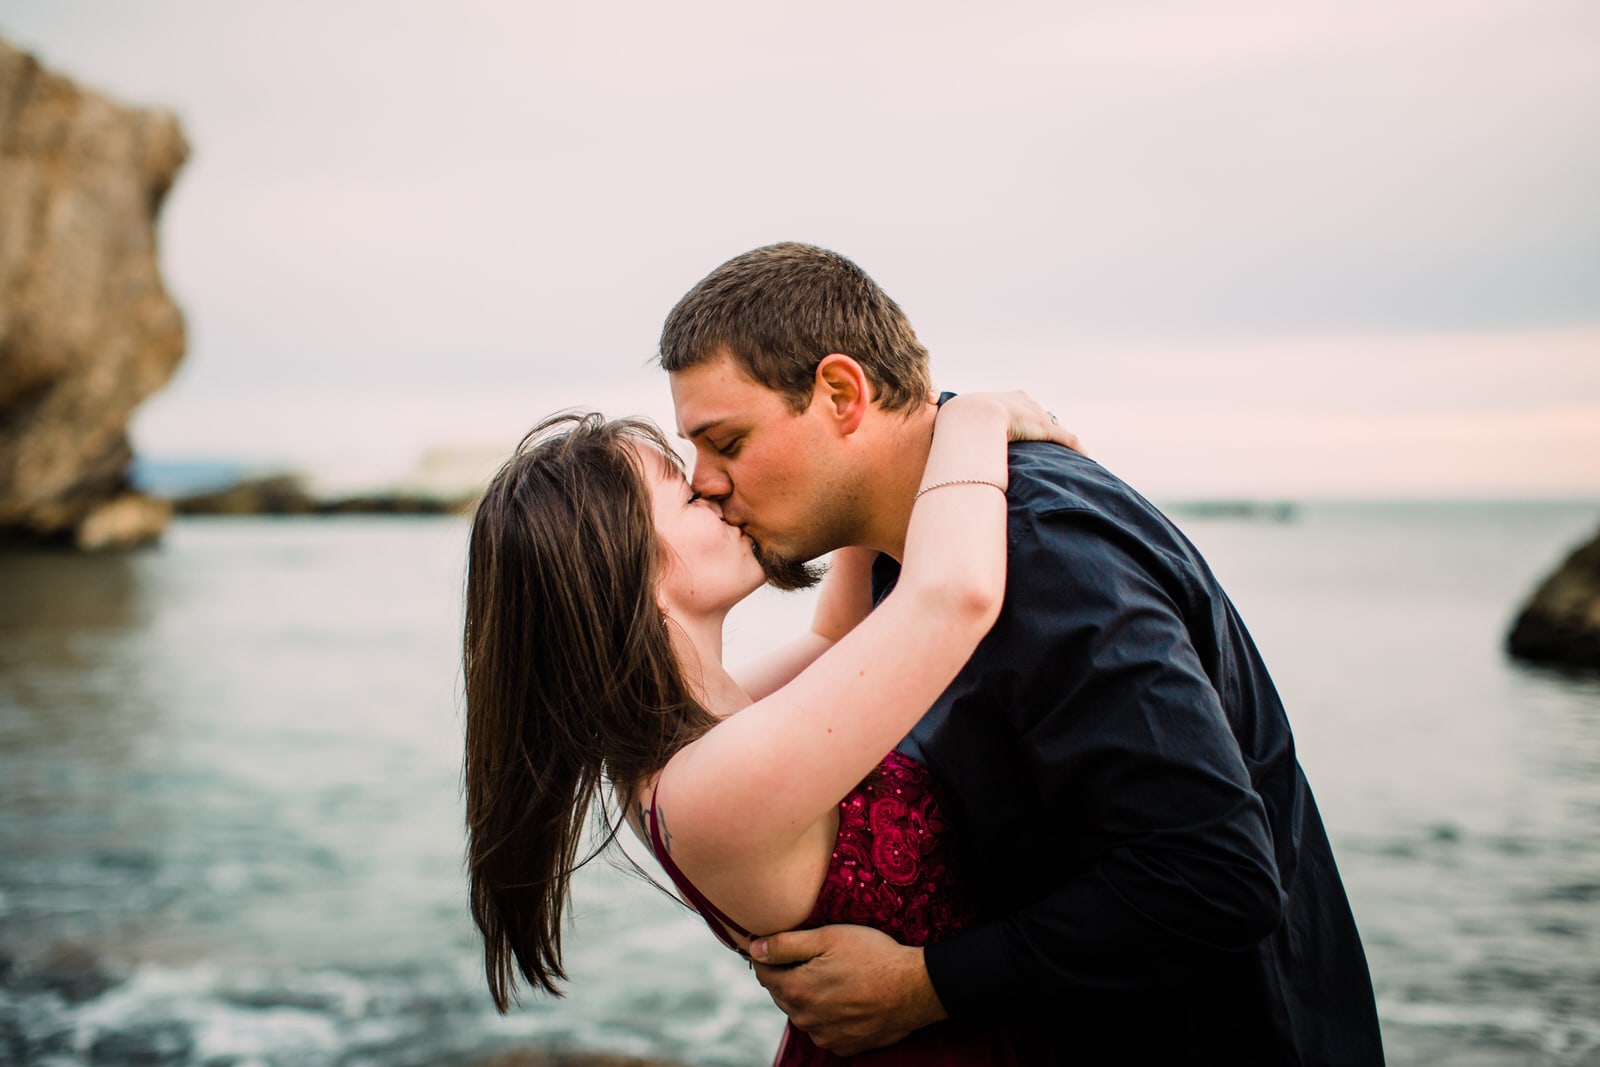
[(969, 445), (965, 406), (947, 483)]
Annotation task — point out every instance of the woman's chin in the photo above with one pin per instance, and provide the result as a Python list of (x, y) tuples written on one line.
[(756, 579)]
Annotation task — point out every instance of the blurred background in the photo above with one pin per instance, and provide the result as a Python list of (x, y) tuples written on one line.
[(1323, 279)]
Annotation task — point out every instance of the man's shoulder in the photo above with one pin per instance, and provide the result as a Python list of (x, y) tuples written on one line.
[(1048, 479), (1067, 508)]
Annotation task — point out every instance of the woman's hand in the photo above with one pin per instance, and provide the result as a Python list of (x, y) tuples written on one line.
[(1026, 420)]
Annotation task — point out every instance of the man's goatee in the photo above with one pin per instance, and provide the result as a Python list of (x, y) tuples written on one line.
[(788, 574)]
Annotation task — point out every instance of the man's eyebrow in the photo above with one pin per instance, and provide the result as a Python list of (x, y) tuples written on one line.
[(704, 427)]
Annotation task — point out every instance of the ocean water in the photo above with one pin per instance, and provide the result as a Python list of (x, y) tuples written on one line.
[(230, 814)]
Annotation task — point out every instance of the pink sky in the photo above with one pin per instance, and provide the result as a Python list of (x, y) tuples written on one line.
[(1245, 248)]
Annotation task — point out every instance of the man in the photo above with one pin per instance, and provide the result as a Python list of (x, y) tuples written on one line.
[(1154, 878)]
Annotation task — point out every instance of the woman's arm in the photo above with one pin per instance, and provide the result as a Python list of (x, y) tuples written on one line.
[(844, 600), (744, 794)]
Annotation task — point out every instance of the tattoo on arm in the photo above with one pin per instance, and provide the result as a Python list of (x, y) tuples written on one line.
[(661, 824), (642, 827)]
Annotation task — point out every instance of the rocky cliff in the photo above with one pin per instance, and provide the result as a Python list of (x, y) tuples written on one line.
[(1561, 622), (87, 330)]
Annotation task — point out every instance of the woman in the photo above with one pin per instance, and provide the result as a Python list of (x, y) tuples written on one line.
[(597, 588)]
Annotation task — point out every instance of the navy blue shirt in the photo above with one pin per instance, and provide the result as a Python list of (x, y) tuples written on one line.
[(1154, 877)]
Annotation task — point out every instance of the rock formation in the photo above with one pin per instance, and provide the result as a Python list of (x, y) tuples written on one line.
[(87, 331), (1561, 622)]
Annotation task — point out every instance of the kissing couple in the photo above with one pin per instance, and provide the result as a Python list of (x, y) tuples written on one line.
[(1023, 794)]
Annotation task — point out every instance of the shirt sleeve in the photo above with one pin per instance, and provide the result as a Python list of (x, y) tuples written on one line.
[(1127, 732)]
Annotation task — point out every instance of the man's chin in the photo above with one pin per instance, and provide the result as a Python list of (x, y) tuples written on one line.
[(788, 574)]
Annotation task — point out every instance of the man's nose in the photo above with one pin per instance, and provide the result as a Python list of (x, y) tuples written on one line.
[(710, 481)]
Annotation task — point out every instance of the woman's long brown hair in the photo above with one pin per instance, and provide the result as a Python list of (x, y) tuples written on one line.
[(570, 676)]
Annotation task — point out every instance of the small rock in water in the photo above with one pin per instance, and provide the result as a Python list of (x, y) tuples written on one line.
[(1561, 622)]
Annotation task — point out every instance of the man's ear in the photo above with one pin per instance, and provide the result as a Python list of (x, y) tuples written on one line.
[(842, 385)]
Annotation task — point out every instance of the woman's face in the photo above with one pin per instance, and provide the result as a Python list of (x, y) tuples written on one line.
[(708, 565)]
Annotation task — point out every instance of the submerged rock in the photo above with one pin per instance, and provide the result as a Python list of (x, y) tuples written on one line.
[(1560, 624), (160, 1044), (72, 972), (87, 330), (568, 1059)]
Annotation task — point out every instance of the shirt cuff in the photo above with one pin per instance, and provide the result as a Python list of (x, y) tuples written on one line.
[(970, 972)]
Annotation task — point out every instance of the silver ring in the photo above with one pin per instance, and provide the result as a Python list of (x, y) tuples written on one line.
[(1053, 417)]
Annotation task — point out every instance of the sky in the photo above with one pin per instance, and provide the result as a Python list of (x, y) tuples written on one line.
[(1242, 248)]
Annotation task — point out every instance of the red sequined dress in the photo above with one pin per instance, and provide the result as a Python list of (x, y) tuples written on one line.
[(892, 870)]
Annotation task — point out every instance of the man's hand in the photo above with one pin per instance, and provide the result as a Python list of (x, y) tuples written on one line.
[(851, 988)]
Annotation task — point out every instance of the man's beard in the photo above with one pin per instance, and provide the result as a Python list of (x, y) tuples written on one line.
[(788, 574)]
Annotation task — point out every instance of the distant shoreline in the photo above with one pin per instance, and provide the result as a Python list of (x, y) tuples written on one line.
[(288, 494)]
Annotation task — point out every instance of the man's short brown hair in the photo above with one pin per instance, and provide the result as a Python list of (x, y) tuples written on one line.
[(780, 309)]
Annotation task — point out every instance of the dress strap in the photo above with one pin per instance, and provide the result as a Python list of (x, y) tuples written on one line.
[(696, 899)]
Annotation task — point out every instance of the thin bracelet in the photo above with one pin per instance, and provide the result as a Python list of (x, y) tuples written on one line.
[(956, 481)]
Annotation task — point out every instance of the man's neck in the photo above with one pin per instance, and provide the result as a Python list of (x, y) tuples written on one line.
[(893, 482)]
